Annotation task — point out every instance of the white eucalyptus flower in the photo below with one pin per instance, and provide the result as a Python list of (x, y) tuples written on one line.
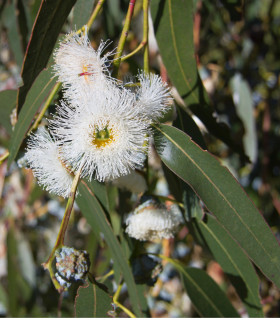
[(44, 158), (154, 97), (105, 130), (152, 221), (77, 64)]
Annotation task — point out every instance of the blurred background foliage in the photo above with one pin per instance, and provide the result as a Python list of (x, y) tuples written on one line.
[(237, 51)]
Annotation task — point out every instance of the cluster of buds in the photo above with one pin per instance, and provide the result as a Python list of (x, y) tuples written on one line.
[(152, 220), (71, 265)]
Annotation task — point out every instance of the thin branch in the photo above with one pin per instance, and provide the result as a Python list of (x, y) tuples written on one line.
[(115, 300), (45, 108), (124, 34), (95, 13), (63, 227), (146, 35), (4, 156)]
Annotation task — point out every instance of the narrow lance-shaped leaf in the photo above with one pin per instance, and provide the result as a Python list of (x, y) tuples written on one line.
[(10, 22), (233, 261), (173, 25), (81, 13), (36, 96), (222, 195), (207, 297), (49, 21), (92, 302), (95, 216)]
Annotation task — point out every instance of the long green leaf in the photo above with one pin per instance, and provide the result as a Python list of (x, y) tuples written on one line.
[(38, 93), (10, 22), (95, 216), (49, 21), (222, 195), (234, 262), (92, 302), (173, 25), (81, 13), (207, 297), (186, 123)]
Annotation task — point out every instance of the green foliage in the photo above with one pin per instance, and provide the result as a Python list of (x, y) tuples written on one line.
[(88, 204), (208, 299), (173, 24), (92, 302), (222, 195), (233, 261), (49, 21), (233, 46), (35, 97)]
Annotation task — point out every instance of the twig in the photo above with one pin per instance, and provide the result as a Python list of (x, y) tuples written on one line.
[(45, 108), (124, 34), (63, 227), (115, 300), (146, 35)]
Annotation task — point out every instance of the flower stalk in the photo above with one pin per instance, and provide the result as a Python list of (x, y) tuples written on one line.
[(45, 107), (145, 40), (146, 34), (63, 227), (115, 300), (4, 156), (124, 34), (95, 13)]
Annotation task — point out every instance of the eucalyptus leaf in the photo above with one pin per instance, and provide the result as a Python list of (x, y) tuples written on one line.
[(36, 96), (96, 217), (222, 195), (173, 25), (233, 261), (81, 13), (92, 302), (10, 22), (48, 23), (207, 297)]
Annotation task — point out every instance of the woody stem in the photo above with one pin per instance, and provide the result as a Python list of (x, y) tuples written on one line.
[(64, 224), (146, 34), (124, 34), (95, 13)]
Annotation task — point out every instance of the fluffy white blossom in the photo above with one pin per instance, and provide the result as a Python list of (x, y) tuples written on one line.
[(77, 64), (152, 221), (44, 158), (153, 95), (105, 130)]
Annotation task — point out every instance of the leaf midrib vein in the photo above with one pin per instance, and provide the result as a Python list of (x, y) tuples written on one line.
[(218, 190), (229, 257), (177, 53)]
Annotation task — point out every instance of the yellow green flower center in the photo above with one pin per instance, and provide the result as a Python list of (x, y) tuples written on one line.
[(102, 137)]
